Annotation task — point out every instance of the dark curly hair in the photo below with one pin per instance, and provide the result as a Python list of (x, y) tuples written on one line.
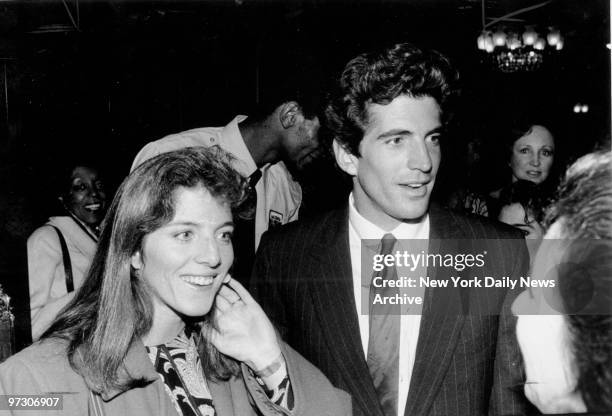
[(379, 77), (533, 198)]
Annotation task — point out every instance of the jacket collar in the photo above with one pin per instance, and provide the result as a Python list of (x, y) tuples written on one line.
[(330, 279), (136, 366)]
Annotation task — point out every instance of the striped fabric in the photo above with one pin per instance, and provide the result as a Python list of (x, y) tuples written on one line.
[(466, 364)]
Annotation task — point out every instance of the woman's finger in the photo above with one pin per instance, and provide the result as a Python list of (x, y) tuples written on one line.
[(241, 291), (221, 303), (228, 294)]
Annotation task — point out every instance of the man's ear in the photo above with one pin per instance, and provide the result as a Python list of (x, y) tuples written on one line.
[(288, 114), (136, 261), (347, 161)]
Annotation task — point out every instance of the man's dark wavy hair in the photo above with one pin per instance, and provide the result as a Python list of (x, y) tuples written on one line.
[(379, 77)]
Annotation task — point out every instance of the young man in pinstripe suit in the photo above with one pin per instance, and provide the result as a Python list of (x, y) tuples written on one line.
[(388, 117)]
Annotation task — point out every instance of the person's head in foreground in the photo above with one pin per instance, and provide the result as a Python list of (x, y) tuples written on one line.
[(387, 120), (161, 271), (566, 341)]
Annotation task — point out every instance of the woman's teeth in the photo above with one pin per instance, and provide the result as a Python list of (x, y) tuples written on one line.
[(92, 207), (198, 280)]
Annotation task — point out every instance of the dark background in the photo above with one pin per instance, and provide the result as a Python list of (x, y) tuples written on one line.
[(102, 78)]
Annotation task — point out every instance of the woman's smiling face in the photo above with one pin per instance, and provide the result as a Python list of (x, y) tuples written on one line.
[(186, 261), (86, 197), (533, 155)]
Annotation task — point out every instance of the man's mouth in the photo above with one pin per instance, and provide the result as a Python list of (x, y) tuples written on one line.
[(416, 188)]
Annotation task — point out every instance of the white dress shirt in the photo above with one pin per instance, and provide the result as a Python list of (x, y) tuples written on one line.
[(360, 228)]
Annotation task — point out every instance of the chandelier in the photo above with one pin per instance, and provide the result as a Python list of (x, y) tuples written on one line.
[(512, 48)]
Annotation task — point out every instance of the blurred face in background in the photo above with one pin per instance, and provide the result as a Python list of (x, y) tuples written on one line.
[(533, 155), (86, 197)]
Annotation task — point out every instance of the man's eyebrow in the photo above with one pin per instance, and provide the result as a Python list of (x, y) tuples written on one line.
[(394, 132), (437, 130), (404, 132)]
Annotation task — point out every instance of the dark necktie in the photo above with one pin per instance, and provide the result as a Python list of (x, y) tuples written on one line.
[(244, 234), (384, 339)]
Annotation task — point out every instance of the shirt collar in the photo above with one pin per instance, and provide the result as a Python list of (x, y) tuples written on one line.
[(233, 142), (368, 230)]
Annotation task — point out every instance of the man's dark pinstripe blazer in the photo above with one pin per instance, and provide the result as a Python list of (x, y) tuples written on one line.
[(465, 364)]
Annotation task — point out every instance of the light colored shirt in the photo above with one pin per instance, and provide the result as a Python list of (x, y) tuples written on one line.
[(360, 228), (46, 276), (278, 195)]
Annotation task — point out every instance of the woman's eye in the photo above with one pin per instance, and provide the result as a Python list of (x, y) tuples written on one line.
[(226, 236), (435, 139), (524, 150), (79, 188), (184, 235), (547, 152)]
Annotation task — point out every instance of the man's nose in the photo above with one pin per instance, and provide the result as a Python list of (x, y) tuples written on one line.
[(419, 157)]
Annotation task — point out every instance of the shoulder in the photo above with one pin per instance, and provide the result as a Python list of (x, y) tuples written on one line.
[(43, 364), (42, 232), (204, 136), (310, 228), (475, 226), (44, 235)]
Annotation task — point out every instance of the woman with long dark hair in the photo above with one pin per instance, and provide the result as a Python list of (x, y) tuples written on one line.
[(159, 327)]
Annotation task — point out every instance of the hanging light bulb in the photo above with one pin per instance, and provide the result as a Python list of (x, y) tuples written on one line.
[(481, 41), (553, 37), (499, 38), (529, 36), (560, 43), (539, 44), (488, 42)]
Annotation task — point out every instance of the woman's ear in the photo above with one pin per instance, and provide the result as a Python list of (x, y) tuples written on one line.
[(136, 261)]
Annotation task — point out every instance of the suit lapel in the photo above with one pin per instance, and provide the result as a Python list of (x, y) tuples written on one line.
[(441, 321), (332, 294)]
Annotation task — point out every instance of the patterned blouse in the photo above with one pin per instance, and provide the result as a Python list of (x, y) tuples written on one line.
[(178, 365)]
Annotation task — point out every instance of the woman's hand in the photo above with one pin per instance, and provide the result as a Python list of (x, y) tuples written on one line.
[(243, 331)]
